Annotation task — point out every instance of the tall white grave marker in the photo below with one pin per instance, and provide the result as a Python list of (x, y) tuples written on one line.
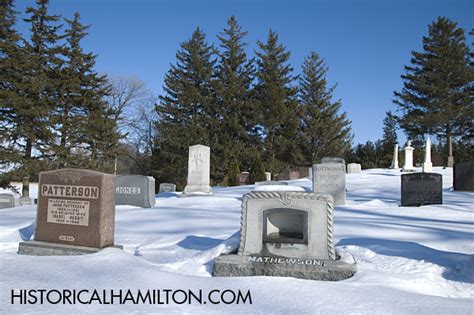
[(408, 166), (395, 158), (199, 166), (427, 165)]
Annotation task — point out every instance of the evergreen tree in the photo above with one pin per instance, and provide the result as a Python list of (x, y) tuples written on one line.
[(257, 172), (324, 132), (86, 127), (9, 55), (366, 154), (438, 91), (187, 109), (234, 99), (28, 88), (233, 172), (389, 139), (277, 106)]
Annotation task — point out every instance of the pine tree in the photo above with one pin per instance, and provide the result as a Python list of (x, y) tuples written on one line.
[(234, 99), (324, 132), (277, 106), (10, 51), (28, 97), (233, 172), (187, 109), (438, 91), (84, 122), (389, 139), (257, 172)]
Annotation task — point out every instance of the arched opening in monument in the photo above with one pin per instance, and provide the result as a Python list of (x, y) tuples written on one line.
[(283, 225)]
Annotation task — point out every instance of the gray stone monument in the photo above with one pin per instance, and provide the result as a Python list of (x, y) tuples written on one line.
[(286, 234), (463, 176), (268, 176), (330, 178), (9, 201), (420, 189), (354, 168), (75, 214), (199, 167), (135, 190), (167, 187), (395, 158)]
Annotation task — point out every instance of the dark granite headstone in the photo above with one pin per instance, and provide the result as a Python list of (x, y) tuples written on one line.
[(421, 189), (243, 178), (463, 176), (76, 207)]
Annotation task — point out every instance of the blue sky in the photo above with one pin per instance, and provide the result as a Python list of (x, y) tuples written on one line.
[(365, 43)]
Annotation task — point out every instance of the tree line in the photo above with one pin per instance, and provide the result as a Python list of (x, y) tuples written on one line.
[(253, 112), (256, 112), (53, 110)]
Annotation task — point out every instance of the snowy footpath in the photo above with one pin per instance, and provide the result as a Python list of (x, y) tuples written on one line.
[(411, 260)]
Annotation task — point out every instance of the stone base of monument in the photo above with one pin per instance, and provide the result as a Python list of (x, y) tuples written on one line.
[(302, 268), (38, 248), (195, 194)]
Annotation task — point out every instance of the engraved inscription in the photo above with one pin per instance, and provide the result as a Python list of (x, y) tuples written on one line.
[(128, 190), (88, 192), (71, 212), (286, 261), (66, 238)]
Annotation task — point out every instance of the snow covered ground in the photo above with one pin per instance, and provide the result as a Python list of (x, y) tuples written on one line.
[(410, 260)]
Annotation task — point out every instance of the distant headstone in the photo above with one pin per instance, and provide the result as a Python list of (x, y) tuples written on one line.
[(330, 178), (76, 213), (408, 166), (267, 183), (26, 201), (294, 175), (199, 165), (9, 201), (332, 160), (167, 187), (395, 158), (135, 190), (427, 165), (420, 189), (268, 176), (286, 234), (243, 178), (463, 176), (310, 172), (354, 168)]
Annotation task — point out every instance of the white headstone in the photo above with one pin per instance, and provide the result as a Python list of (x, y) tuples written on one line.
[(354, 168), (427, 165), (268, 176), (199, 167), (408, 166), (395, 158)]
